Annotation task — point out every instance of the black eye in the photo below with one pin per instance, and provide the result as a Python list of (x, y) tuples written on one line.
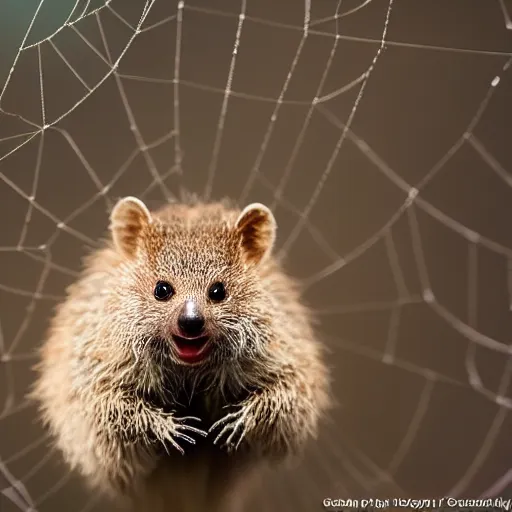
[(217, 292), (163, 291)]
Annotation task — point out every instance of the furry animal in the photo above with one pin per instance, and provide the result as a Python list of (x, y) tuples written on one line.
[(182, 359)]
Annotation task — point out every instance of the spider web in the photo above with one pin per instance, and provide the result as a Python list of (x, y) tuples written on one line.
[(379, 134)]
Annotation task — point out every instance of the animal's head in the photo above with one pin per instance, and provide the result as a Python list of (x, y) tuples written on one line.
[(191, 279)]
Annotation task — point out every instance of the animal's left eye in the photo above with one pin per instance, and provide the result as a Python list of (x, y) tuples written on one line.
[(217, 292)]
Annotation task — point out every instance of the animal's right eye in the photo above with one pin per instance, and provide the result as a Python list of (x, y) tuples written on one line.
[(163, 291)]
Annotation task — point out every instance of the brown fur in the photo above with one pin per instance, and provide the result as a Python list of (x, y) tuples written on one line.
[(115, 397)]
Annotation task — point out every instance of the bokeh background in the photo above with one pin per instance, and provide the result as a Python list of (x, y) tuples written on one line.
[(380, 134)]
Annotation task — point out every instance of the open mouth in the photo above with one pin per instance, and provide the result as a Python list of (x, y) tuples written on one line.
[(191, 350)]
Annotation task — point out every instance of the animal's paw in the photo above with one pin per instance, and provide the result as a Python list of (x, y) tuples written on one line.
[(233, 427), (169, 429)]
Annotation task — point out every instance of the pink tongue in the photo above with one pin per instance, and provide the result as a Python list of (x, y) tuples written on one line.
[(189, 350)]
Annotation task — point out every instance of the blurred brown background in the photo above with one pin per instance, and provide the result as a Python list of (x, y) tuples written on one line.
[(423, 387)]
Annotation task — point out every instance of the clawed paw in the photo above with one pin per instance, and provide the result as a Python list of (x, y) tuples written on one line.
[(181, 429), (235, 426), (176, 428)]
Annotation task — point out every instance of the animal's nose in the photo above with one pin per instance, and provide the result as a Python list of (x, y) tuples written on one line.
[(191, 321)]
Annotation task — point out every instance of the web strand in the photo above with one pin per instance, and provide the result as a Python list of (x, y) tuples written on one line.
[(325, 175), (223, 112)]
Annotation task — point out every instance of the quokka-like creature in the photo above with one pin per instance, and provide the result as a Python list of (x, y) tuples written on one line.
[(182, 360)]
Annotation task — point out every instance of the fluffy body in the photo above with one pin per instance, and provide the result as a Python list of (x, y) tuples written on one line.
[(119, 402)]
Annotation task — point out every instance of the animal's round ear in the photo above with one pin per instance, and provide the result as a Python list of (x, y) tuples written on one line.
[(128, 219), (257, 228)]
